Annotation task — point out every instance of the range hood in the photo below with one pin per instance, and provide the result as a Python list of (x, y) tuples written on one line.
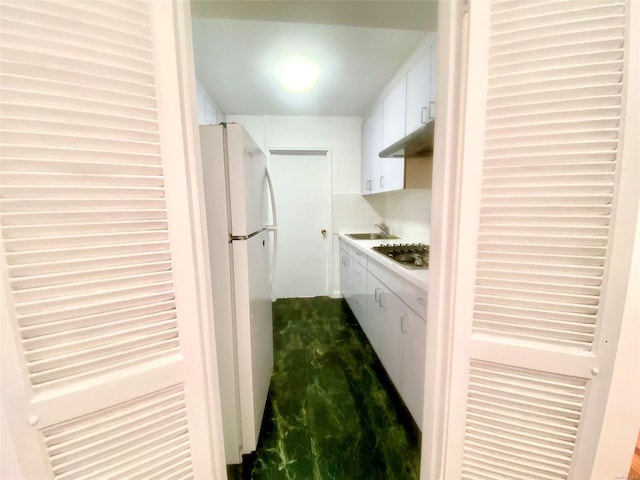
[(417, 143)]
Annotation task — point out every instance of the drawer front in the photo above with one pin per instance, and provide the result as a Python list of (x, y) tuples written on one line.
[(358, 255), (410, 294)]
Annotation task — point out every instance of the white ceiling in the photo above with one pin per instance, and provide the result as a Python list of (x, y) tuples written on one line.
[(237, 57)]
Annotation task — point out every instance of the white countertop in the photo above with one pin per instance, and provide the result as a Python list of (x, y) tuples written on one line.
[(420, 278)]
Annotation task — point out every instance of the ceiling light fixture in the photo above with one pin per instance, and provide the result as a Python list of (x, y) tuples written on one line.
[(298, 75)]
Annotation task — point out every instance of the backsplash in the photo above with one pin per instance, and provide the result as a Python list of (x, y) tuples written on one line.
[(353, 213), (408, 213)]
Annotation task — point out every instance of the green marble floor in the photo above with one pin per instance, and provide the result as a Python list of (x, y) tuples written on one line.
[(332, 412)]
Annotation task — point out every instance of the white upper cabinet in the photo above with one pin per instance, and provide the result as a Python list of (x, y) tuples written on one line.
[(392, 177), (371, 146), (409, 105), (418, 93), (393, 114)]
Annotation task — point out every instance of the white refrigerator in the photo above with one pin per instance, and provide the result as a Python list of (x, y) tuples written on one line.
[(238, 197)]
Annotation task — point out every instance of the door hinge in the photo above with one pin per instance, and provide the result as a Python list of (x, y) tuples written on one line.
[(465, 6)]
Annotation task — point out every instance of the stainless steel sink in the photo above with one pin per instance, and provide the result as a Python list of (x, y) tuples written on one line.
[(372, 236)]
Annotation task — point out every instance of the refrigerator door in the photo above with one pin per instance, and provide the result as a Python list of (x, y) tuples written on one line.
[(246, 167), (252, 294)]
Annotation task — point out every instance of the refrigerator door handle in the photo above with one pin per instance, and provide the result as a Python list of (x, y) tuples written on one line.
[(274, 226)]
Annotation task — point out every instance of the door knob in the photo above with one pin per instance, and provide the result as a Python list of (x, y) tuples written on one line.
[(323, 232)]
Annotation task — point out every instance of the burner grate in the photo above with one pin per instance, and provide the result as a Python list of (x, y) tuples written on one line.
[(410, 255)]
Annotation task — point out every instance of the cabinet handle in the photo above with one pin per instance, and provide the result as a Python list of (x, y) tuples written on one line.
[(424, 117), (421, 301), (380, 302), (382, 182), (403, 318), (358, 253), (432, 114), (375, 294)]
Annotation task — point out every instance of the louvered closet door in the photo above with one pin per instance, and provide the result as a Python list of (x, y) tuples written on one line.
[(102, 370), (537, 305)]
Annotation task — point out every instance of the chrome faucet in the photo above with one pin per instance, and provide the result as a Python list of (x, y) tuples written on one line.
[(383, 226)]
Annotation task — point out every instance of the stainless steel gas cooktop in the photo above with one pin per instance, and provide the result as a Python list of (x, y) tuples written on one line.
[(414, 255)]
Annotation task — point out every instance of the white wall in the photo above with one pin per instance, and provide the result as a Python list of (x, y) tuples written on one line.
[(407, 213), (342, 135)]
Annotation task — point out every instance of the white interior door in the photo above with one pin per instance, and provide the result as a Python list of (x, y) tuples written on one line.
[(102, 358), (302, 182)]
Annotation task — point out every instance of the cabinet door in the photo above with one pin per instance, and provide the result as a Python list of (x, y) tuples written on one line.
[(358, 290), (345, 280), (375, 313), (418, 93), (392, 177), (393, 114), (414, 338), (371, 146), (391, 336)]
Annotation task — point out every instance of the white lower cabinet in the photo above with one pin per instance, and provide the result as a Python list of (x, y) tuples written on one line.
[(353, 281), (391, 356), (345, 277), (375, 313), (414, 337), (386, 307)]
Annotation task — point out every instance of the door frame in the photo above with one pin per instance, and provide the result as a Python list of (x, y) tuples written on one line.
[(320, 150), (445, 207), (204, 322)]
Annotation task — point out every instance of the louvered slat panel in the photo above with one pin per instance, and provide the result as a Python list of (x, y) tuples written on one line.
[(142, 436), (26, 27), (79, 19), (52, 74), (159, 311), (66, 229), (24, 85), (91, 286), (80, 266), (94, 143), (71, 179), (552, 126), (82, 101), (62, 241), (53, 192), (66, 128), (520, 423), (84, 338), (82, 203), (61, 153), (86, 253)]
